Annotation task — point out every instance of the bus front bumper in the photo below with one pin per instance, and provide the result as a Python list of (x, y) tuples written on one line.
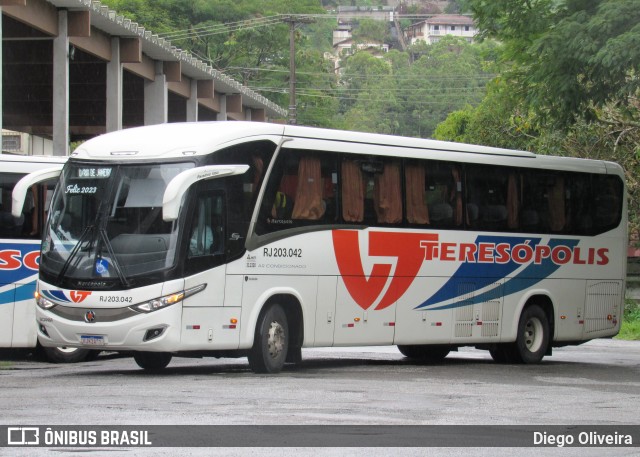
[(158, 331)]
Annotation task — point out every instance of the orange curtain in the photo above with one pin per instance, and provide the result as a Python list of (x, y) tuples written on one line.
[(512, 202), (352, 192), (417, 212), (258, 166), (556, 205), (308, 202), (456, 196), (387, 196)]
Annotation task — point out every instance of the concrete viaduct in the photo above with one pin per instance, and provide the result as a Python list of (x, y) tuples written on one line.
[(74, 69)]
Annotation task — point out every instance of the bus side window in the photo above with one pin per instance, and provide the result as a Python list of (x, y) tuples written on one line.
[(387, 193), (352, 186), (371, 191), (207, 233), (9, 226), (415, 194), (300, 191), (607, 191), (579, 202), (30, 224), (308, 204), (442, 195), (493, 200)]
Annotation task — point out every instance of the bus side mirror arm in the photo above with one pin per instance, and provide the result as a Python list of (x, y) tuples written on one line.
[(22, 187), (179, 185)]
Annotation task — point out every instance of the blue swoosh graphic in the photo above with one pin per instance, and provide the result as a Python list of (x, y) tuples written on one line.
[(485, 274), (55, 295)]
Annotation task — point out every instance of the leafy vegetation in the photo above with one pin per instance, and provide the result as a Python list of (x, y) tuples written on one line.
[(557, 77), (568, 83), (631, 322)]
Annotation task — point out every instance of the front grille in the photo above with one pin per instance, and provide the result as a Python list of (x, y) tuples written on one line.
[(101, 314)]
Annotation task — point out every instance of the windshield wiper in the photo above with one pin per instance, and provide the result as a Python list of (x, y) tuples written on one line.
[(88, 229), (114, 260)]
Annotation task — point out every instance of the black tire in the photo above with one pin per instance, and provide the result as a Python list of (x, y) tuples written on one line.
[(271, 341), (532, 340), (502, 353), (533, 337), (68, 354), (431, 353), (152, 361)]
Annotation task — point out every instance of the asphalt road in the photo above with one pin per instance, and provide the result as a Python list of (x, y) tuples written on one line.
[(597, 383)]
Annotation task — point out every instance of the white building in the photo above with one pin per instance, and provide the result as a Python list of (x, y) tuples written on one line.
[(25, 144), (434, 28), (344, 45)]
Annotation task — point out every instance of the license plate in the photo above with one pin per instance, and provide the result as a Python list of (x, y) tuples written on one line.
[(93, 340)]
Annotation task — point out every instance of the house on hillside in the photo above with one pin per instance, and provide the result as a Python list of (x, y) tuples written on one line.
[(344, 45), (434, 28)]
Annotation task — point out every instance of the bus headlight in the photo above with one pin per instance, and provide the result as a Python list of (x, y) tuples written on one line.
[(43, 302), (167, 300), (159, 303)]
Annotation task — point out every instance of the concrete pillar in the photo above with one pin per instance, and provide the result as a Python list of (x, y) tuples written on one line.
[(114, 88), (192, 102), (156, 98), (247, 114), (222, 115), (61, 88)]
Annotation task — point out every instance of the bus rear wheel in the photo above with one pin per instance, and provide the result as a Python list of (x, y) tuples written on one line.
[(271, 341), (152, 361), (532, 340), (430, 353)]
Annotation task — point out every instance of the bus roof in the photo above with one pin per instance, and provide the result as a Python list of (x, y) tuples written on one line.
[(26, 164), (177, 140)]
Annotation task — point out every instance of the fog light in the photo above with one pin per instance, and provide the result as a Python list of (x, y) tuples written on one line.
[(43, 330), (153, 333)]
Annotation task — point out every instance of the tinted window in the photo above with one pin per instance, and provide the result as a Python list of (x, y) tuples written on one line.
[(301, 191)]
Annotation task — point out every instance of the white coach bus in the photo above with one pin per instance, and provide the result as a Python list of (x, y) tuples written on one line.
[(20, 238), (250, 239)]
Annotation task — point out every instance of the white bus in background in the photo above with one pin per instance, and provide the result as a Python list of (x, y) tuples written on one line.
[(19, 255), (251, 239)]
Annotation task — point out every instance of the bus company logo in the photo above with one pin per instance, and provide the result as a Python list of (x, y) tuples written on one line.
[(487, 258), (14, 259), (405, 247), (90, 316), (75, 296)]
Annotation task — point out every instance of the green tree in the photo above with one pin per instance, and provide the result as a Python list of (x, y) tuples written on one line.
[(572, 66), (370, 103), (447, 76), (570, 57)]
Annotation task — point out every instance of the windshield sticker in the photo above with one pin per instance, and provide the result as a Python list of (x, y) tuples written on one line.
[(94, 172), (75, 189), (102, 267)]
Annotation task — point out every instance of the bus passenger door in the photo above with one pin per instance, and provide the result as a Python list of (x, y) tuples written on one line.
[(205, 319)]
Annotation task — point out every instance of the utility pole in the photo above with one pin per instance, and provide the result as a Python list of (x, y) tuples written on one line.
[(293, 20)]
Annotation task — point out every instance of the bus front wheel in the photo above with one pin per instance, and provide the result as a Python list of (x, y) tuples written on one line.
[(65, 354), (152, 361), (271, 341)]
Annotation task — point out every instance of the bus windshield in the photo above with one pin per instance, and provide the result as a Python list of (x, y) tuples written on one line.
[(106, 222)]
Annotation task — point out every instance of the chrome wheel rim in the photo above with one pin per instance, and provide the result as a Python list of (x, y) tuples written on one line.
[(533, 333), (276, 339)]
